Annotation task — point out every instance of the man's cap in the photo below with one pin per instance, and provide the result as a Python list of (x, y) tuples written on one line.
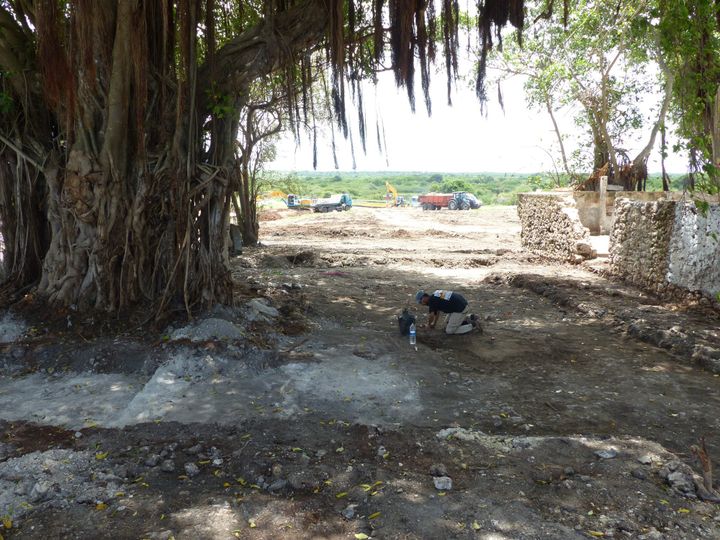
[(419, 296)]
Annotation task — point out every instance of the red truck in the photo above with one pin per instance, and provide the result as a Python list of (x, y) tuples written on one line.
[(460, 200)]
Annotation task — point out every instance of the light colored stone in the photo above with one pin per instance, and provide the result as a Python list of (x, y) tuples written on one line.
[(461, 434), (442, 483), (191, 469)]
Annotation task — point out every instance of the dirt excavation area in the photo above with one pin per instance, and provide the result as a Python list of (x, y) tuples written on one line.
[(301, 412)]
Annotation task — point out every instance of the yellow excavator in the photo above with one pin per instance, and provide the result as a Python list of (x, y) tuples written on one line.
[(395, 200), (291, 200)]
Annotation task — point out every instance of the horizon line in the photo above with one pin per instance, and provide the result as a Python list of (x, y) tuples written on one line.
[(336, 171)]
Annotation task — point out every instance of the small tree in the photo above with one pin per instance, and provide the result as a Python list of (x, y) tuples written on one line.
[(259, 125), (597, 63)]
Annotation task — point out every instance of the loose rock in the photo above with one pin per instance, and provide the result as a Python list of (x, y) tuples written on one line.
[(191, 469), (442, 483), (153, 460)]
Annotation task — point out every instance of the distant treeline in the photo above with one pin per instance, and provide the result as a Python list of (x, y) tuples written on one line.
[(491, 188)]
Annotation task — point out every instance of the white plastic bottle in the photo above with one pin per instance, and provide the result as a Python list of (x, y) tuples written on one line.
[(412, 334)]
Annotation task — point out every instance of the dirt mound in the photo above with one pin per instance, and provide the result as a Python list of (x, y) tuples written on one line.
[(269, 215)]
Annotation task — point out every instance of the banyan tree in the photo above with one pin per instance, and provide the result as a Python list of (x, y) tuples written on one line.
[(119, 119)]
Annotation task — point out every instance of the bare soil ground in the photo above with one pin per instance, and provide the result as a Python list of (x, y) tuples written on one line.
[(570, 416)]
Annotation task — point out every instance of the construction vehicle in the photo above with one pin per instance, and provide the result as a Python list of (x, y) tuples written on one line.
[(392, 196), (459, 200), (336, 202)]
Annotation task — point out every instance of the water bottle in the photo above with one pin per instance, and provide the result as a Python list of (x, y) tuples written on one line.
[(412, 334)]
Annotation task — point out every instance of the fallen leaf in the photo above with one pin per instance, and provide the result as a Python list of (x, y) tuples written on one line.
[(101, 455), (341, 495), (252, 523), (596, 534), (100, 506), (665, 502), (361, 536), (226, 484), (683, 511), (375, 515), (7, 522), (476, 526)]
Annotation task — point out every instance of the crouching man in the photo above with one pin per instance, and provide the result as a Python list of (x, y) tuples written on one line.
[(459, 320)]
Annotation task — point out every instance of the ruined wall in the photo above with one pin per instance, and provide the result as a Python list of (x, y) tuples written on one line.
[(640, 242), (589, 205), (666, 244), (695, 249), (551, 226)]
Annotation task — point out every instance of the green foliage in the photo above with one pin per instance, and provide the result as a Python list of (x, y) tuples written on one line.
[(6, 103), (220, 103), (450, 186), (598, 66), (703, 207)]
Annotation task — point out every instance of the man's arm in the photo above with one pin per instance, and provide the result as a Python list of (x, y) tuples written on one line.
[(432, 319)]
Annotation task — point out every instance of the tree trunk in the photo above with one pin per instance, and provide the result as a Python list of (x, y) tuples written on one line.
[(601, 154), (548, 105), (663, 153), (714, 130), (249, 225), (133, 203), (642, 158)]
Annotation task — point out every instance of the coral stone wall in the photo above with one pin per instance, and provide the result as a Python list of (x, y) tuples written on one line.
[(666, 244), (695, 249), (551, 226), (640, 242)]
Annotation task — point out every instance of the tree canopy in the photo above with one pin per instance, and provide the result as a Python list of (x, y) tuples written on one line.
[(119, 123), (119, 120)]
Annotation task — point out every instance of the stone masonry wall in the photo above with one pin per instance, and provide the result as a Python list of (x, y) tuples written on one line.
[(551, 226), (695, 249), (640, 242), (664, 245)]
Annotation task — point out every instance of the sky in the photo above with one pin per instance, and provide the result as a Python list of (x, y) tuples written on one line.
[(454, 139)]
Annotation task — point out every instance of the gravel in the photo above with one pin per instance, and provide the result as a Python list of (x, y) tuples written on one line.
[(55, 479)]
